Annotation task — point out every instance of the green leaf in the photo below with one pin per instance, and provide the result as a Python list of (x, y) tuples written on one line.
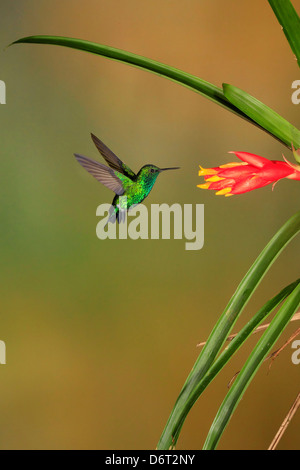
[(207, 89), (196, 84), (263, 115), (290, 22), (193, 386), (261, 350), (244, 333)]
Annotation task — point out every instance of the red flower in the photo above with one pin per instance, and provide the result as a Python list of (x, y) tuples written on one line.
[(252, 173)]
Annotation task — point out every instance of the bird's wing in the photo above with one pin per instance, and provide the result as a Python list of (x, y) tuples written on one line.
[(114, 162), (105, 175)]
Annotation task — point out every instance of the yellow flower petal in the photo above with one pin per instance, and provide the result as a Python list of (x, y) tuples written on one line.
[(233, 164), (223, 192), (207, 171), (213, 179), (203, 186)]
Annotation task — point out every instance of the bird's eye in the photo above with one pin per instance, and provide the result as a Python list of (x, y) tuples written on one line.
[(152, 170)]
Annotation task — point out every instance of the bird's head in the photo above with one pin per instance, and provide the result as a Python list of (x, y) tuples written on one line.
[(151, 172)]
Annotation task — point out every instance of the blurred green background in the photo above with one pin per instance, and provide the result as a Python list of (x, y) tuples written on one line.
[(101, 335)]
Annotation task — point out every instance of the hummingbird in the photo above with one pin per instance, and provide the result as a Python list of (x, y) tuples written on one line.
[(130, 188)]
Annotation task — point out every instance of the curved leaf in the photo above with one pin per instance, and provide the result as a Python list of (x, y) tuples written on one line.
[(203, 87), (261, 350), (193, 386), (263, 115), (290, 23)]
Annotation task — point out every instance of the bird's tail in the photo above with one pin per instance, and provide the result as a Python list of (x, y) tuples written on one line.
[(112, 215), (116, 214)]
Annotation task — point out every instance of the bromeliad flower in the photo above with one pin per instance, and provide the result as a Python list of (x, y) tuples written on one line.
[(252, 173)]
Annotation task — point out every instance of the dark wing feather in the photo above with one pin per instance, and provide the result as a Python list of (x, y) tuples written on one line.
[(112, 159), (102, 173)]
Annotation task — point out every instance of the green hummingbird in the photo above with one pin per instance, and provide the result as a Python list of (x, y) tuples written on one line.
[(130, 188)]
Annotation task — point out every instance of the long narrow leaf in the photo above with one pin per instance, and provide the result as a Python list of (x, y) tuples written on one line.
[(244, 333), (207, 89), (290, 22), (203, 87), (193, 385), (263, 115), (261, 350)]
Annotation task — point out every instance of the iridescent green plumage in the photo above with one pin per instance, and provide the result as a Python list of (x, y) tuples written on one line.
[(130, 188)]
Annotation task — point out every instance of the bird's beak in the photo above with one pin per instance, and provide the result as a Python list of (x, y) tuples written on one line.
[(165, 169)]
